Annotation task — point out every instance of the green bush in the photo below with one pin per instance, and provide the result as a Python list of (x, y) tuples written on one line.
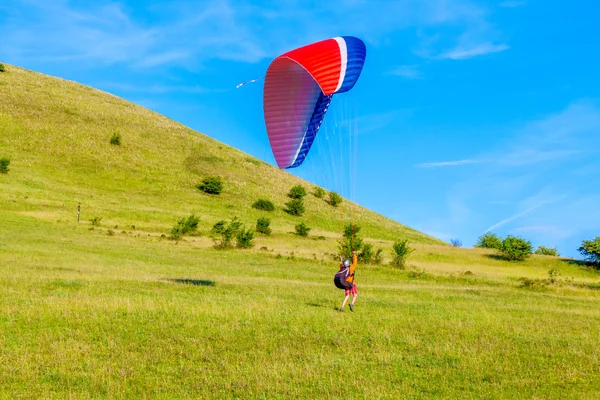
[(590, 249), (263, 226), (366, 255), (302, 229), (400, 252), (295, 207), (350, 241), (455, 243), (319, 192), (335, 199), (378, 257), (265, 205), (224, 232), (297, 192), (184, 226), (211, 185), (96, 221), (2, 67), (115, 139), (489, 240), (245, 239), (4, 163), (515, 248), (547, 251)]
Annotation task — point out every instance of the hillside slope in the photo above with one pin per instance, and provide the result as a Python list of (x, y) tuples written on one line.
[(57, 134)]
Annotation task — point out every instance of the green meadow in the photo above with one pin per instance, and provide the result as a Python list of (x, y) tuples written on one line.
[(118, 310)]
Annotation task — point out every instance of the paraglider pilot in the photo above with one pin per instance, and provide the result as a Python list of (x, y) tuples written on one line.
[(344, 279)]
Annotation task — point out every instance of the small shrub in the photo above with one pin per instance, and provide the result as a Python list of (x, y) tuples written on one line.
[(302, 229), (4, 163), (590, 249), (400, 253), (418, 273), (110, 232), (245, 239), (547, 251), (295, 207), (2, 67), (115, 139), (515, 248), (455, 243), (96, 221), (265, 205), (263, 226), (489, 240), (211, 185), (335, 199), (225, 232), (184, 226), (319, 192), (297, 192), (366, 255), (378, 257)]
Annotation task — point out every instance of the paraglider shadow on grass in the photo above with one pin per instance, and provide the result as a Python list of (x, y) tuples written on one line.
[(328, 306), (195, 282)]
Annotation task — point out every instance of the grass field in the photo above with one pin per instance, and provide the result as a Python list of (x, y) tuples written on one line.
[(117, 311)]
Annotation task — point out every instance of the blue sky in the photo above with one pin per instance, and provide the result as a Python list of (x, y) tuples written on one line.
[(469, 115)]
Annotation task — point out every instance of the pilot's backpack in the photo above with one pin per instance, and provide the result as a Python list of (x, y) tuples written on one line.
[(340, 279)]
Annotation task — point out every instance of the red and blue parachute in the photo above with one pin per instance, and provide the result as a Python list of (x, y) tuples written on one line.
[(298, 89)]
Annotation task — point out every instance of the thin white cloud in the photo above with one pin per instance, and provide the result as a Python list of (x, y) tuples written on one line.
[(155, 89), (523, 213), (561, 136), (407, 71), (463, 53), (448, 163), (544, 157), (187, 33), (377, 121)]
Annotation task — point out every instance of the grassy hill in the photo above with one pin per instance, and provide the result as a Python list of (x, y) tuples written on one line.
[(89, 314), (57, 134)]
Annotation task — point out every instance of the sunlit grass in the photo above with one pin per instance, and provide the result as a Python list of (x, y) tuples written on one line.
[(85, 314)]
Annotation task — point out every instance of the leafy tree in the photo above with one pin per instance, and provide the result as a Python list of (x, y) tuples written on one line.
[(400, 252), (547, 251), (263, 226), (350, 241), (297, 192), (366, 255), (211, 185), (335, 199), (489, 240), (2, 67), (302, 229), (515, 248), (295, 207), (590, 249), (263, 204)]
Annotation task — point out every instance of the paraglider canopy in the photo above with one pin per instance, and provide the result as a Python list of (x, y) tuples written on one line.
[(298, 89)]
